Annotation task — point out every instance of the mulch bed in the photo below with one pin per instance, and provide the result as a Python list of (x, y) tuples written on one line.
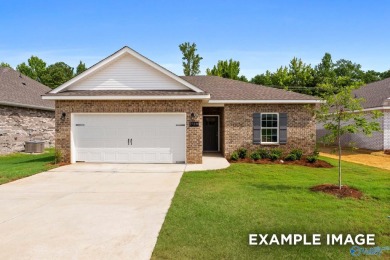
[(334, 190), (302, 162)]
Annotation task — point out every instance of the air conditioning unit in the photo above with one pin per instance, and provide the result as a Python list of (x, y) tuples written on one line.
[(34, 147)]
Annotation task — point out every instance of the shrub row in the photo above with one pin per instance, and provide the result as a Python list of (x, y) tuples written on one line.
[(273, 154)]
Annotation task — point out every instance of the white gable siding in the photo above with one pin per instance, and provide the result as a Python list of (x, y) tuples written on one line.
[(127, 73)]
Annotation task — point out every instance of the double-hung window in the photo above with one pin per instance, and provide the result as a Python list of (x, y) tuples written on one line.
[(269, 128)]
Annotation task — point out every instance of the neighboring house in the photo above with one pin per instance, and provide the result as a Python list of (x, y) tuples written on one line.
[(128, 109), (377, 97), (24, 115)]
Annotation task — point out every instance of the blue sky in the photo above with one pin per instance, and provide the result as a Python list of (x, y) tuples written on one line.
[(260, 34)]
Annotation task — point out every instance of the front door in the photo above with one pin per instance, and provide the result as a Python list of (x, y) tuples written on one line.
[(210, 133)]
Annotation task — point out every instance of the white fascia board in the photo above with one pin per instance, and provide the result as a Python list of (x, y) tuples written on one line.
[(266, 101), (12, 104), (192, 97), (375, 108), (114, 57)]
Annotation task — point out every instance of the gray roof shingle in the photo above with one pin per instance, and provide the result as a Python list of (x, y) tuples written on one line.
[(376, 94), (229, 89), (19, 90)]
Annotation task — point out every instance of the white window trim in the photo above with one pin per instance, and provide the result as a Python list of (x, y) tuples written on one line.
[(261, 128)]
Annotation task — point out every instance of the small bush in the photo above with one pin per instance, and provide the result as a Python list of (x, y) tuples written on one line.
[(234, 156), (291, 157), (311, 158), (255, 156), (316, 152), (298, 153), (264, 153), (242, 153), (57, 156), (277, 151), (274, 156)]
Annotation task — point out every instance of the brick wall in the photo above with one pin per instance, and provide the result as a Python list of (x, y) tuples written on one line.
[(193, 136), (301, 128), (18, 125)]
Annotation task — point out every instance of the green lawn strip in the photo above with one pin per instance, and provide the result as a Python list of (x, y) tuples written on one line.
[(20, 165), (213, 212)]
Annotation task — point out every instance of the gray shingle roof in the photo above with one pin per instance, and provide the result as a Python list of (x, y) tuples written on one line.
[(229, 89), (19, 90), (376, 94)]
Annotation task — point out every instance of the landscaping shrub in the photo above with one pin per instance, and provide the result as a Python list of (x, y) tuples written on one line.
[(242, 153), (255, 155), (274, 156), (234, 156), (277, 151), (311, 158), (298, 153), (291, 157), (57, 156), (264, 153)]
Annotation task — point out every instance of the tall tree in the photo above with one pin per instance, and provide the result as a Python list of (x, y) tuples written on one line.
[(5, 65), (225, 69), (35, 69), (263, 79), (348, 72), (191, 60), (300, 73), (80, 68), (324, 71), (57, 74), (342, 113)]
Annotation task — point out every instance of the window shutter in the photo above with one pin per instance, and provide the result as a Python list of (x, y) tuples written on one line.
[(256, 128), (283, 128)]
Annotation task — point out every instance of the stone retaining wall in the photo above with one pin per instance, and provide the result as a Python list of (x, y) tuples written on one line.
[(18, 125)]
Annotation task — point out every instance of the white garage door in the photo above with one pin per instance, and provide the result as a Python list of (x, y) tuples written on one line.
[(129, 138)]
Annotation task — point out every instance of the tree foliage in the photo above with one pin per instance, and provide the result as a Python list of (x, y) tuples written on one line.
[(5, 65), (52, 75), (191, 60), (35, 68), (80, 68), (57, 74), (226, 69), (304, 78), (342, 114)]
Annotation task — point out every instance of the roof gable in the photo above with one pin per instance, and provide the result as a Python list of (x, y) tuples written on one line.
[(126, 70)]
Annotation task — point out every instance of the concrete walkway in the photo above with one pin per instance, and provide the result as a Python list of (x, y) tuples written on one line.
[(86, 211), (210, 161)]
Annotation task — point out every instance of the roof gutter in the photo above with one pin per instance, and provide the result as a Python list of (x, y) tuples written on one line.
[(12, 104), (189, 97), (314, 101)]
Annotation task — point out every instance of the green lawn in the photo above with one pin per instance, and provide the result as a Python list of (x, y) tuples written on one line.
[(213, 212), (19, 165)]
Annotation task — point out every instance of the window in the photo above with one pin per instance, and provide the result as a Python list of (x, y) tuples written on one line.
[(269, 128)]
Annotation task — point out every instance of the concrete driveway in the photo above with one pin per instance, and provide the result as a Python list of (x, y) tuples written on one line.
[(86, 211)]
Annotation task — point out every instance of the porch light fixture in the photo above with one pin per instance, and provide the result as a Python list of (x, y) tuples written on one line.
[(194, 116), (63, 115)]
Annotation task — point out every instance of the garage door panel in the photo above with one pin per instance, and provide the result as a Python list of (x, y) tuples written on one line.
[(155, 138)]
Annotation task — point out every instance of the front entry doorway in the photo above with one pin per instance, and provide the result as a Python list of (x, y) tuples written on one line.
[(210, 133)]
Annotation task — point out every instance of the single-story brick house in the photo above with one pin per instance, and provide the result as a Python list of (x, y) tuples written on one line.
[(128, 109), (23, 114), (376, 96)]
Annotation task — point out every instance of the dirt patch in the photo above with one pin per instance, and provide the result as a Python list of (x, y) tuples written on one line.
[(344, 192), (302, 162), (375, 159)]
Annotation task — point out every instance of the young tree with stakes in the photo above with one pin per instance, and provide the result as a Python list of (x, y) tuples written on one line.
[(342, 113)]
